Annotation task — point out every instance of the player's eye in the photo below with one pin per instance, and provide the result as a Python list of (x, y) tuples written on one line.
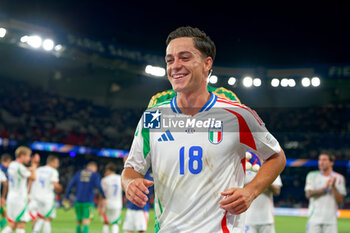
[(169, 60)]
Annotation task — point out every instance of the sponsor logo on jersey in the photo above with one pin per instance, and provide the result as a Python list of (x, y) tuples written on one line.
[(165, 137), (152, 119), (215, 133)]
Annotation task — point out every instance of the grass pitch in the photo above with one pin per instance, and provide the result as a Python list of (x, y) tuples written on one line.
[(65, 223)]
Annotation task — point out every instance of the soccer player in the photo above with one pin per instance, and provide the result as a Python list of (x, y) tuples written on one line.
[(17, 198), (259, 216), (85, 181), (5, 162), (198, 171), (111, 185), (43, 193), (3, 182), (325, 189)]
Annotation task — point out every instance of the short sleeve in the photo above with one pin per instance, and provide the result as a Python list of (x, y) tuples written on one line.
[(140, 153), (255, 136), (340, 185), (2, 176), (23, 171), (104, 184), (55, 177), (309, 181), (278, 182)]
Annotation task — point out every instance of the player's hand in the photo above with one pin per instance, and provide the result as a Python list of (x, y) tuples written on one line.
[(136, 191), (66, 204), (36, 159), (237, 200)]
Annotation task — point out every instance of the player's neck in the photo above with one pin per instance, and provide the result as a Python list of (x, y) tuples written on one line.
[(191, 102), (19, 160), (327, 172)]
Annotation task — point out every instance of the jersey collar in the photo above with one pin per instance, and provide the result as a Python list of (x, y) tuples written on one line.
[(208, 105)]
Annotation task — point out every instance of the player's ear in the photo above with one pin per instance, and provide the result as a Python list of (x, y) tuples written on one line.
[(208, 63)]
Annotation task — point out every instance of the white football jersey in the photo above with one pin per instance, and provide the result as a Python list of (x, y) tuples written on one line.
[(42, 187), (2, 179), (196, 158), (112, 188), (17, 175), (323, 209), (261, 210)]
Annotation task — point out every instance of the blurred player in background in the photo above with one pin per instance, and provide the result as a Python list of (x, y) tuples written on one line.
[(201, 192), (3, 183), (43, 194), (259, 216), (136, 218), (112, 187), (85, 181), (17, 198), (5, 162), (325, 189)]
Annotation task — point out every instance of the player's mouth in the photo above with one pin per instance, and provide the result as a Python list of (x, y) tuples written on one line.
[(179, 76)]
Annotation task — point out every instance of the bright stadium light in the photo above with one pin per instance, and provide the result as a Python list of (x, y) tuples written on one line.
[(291, 82), (2, 32), (284, 82), (247, 81), (275, 82), (24, 39), (155, 71), (58, 47), (48, 44), (305, 82), (34, 41), (315, 81), (213, 79), (257, 82), (231, 81)]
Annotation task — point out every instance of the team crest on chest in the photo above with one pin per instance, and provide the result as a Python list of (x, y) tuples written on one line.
[(215, 133)]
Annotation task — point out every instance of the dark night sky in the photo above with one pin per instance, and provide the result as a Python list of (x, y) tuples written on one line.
[(256, 35)]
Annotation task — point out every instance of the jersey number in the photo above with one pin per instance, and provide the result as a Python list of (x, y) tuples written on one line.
[(115, 189), (195, 154)]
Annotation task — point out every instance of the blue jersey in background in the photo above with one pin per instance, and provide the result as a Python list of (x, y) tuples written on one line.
[(132, 206)]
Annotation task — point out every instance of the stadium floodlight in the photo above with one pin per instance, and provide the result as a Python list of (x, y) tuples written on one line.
[(284, 82), (231, 81), (155, 71), (213, 79), (2, 32), (58, 47), (48, 44), (257, 82), (247, 81), (305, 82), (24, 39), (291, 82), (34, 41), (315, 81), (275, 82)]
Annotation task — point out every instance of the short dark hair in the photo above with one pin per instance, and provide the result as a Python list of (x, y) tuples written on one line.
[(330, 155), (111, 166), (202, 41), (51, 158), (6, 157)]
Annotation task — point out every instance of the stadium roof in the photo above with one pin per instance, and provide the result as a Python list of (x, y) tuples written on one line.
[(257, 35)]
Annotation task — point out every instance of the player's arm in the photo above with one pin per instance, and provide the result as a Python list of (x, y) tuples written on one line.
[(34, 165), (239, 199), (319, 192), (4, 192), (339, 198), (135, 186), (71, 184), (57, 187)]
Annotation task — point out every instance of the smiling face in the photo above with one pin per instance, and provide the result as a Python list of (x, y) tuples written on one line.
[(187, 68), (324, 163)]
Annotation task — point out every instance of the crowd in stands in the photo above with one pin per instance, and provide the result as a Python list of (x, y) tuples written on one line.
[(31, 114)]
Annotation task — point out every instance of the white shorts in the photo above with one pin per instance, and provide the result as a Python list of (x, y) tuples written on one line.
[(260, 228), (42, 208), (112, 216), (135, 220), (17, 210), (321, 228)]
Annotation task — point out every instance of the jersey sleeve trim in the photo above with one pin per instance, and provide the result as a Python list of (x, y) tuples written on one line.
[(146, 145)]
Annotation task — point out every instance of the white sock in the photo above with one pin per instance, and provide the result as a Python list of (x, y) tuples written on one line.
[(20, 231), (47, 227), (115, 228), (105, 228), (7, 229), (38, 225)]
